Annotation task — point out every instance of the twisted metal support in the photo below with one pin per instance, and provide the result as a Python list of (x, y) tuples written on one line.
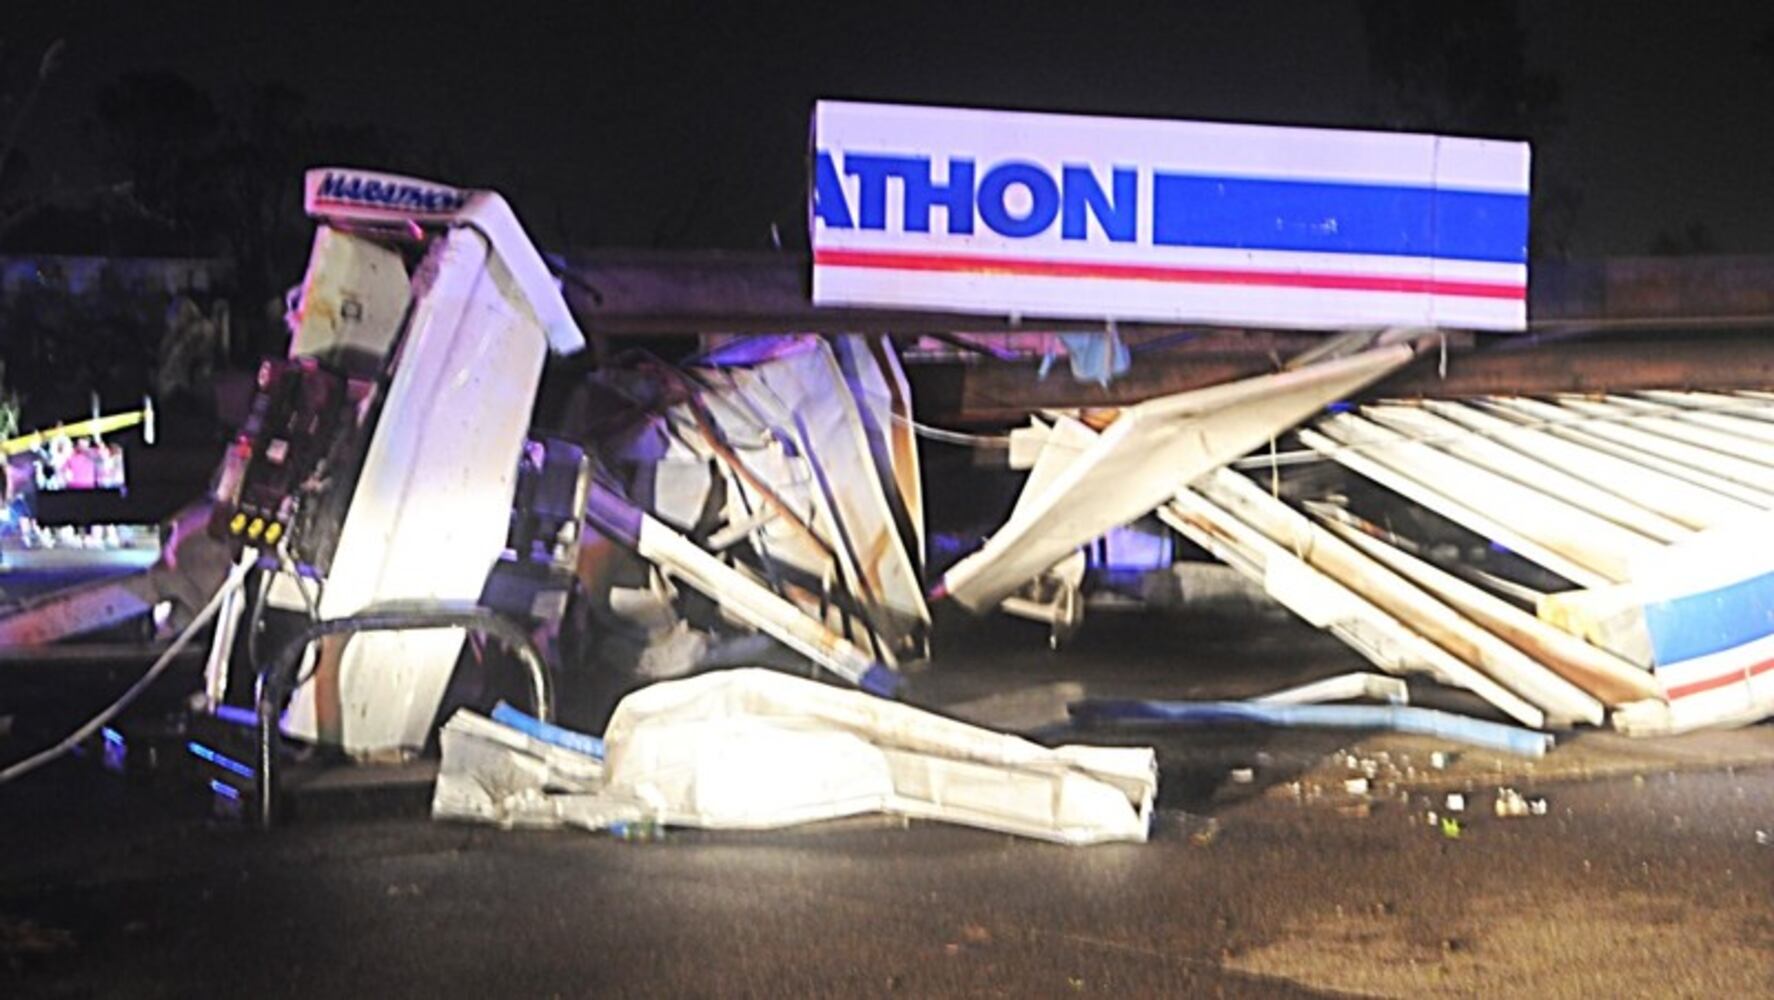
[(278, 679)]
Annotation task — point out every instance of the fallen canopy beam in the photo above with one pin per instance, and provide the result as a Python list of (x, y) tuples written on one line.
[(734, 591), (1597, 672), (1609, 429), (1701, 614), (1343, 687), (1326, 603), (191, 568), (1441, 624), (1451, 439), (1150, 451), (1658, 506), (1362, 454), (1691, 505)]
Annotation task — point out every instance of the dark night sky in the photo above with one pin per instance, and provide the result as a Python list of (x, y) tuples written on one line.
[(657, 123)]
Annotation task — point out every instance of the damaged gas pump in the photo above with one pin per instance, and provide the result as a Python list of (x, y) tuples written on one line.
[(383, 456), (760, 505)]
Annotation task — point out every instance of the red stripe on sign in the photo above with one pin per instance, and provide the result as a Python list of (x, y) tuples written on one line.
[(1722, 680), (980, 264)]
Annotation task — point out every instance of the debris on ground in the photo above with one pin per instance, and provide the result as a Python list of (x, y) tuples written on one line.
[(1423, 721), (1510, 803), (778, 476), (1343, 687), (755, 749), (24, 940), (1205, 833), (778, 479)]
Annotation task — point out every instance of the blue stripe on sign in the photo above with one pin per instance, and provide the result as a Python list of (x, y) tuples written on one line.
[(1319, 217), (1704, 623)]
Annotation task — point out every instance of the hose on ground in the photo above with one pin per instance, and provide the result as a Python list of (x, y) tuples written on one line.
[(236, 577)]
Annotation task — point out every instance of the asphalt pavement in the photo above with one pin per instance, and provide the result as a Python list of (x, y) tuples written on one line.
[(1650, 874)]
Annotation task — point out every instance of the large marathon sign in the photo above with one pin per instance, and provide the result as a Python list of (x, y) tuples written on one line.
[(1062, 216)]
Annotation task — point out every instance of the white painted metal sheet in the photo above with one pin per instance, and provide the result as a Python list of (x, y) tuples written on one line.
[(1150, 451)]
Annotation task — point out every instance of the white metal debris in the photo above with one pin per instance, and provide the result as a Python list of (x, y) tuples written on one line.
[(493, 773), (741, 596), (1343, 687), (1150, 451), (1330, 599), (1668, 624), (755, 749), (812, 442), (1655, 506)]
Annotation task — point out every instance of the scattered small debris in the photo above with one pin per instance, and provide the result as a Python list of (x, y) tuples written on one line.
[(1510, 803), (645, 829), (1356, 786), (1440, 759), (1207, 833), (1451, 828), (27, 937), (1243, 775), (1456, 802), (1764, 837)]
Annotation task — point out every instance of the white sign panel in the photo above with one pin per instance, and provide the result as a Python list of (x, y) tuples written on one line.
[(1039, 215), (335, 192)]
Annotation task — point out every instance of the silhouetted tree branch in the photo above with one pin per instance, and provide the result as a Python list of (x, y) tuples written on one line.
[(14, 127), (1460, 67)]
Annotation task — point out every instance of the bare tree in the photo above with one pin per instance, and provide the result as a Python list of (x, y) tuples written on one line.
[(1461, 66), (14, 128), (17, 207)]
